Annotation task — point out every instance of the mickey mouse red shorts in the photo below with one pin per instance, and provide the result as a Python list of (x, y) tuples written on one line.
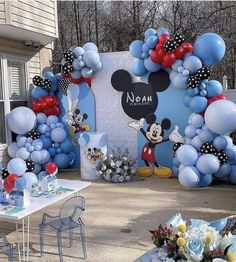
[(148, 154)]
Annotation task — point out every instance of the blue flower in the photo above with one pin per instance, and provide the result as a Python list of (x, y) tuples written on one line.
[(195, 250)]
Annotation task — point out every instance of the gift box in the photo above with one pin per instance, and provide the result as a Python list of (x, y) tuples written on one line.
[(49, 183), (19, 198)]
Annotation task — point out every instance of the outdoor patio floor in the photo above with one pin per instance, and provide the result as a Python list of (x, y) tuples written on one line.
[(118, 217)]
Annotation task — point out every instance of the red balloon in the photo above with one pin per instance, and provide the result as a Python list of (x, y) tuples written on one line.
[(65, 75), (163, 38), (51, 168), (9, 182), (215, 98), (188, 48), (168, 60), (179, 53)]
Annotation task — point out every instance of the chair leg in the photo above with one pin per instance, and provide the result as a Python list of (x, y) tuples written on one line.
[(10, 253), (59, 246), (41, 232), (83, 240), (71, 237)]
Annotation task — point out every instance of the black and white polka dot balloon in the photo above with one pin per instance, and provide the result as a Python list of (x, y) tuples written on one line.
[(208, 148), (29, 165), (34, 134), (223, 158), (63, 86), (179, 39), (176, 146), (170, 46), (47, 84), (4, 173), (69, 56), (67, 68), (38, 80), (193, 82), (204, 73)]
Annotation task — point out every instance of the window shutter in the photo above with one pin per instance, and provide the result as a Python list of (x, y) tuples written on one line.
[(17, 83)]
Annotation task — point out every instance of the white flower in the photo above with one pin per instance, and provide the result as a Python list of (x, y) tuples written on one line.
[(126, 168), (118, 170), (127, 178), (219, 260), (108, 171), (118, 163), (125, 158), (175, 221), (121, 179), (104, 167)]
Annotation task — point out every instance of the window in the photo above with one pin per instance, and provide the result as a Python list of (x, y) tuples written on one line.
[(13, 92)]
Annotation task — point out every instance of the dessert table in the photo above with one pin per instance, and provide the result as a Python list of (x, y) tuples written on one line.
[(17, 215)]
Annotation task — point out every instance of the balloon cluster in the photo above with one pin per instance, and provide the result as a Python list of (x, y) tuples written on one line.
[(158, 49), (209, 151), (80, 63), (18, 175), (49, 105)]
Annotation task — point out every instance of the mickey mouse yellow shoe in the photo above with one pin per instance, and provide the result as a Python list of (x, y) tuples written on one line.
[(163, 172), (144, 171)]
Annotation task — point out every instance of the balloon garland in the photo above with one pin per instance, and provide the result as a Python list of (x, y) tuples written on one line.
[(208, 151)]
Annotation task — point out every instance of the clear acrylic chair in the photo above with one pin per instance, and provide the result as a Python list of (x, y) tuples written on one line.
[(6, 246), (68, 219)]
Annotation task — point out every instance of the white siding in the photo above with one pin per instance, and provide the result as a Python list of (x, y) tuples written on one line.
[(2, 13), (4, 158), (33, 67)]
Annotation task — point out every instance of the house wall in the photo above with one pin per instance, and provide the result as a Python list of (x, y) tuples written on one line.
[(2, 13)]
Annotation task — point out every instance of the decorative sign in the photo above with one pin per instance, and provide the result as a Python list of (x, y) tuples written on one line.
[(139, 99)]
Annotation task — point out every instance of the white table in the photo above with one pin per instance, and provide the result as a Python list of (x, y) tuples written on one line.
[(39, 203)]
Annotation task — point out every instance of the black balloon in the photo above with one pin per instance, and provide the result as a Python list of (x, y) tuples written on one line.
[(30, 165), (208, 148), (67, 68), (63, 86), (4, 173), (193, 81), (223, 158), (38, 80), (69, 56), (47, 84), (176, 146), (179, 39), (203, 73), (34, 134), (170, 46)]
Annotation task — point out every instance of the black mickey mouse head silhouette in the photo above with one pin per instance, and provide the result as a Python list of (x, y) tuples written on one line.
[(140, 99)]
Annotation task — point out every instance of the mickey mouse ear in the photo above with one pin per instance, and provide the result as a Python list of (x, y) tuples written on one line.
[(121, 80), (150, 118), (159, 80)]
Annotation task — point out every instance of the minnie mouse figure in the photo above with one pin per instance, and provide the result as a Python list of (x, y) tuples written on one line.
[(155, 136)]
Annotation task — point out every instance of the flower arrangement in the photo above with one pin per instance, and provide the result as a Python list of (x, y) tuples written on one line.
[(117, 167), (197, 242)]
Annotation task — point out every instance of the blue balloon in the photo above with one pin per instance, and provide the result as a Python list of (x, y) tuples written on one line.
[(42, 128), (196, 143), (206, 136), (145, 48), (21, 120), (84, 90), (58, 135), (190, 131), (72, 158), (187, 100), (151, 41), (230, 154), (187, 155), (219, 224), (22, 141), (30, 149), (192, 91), (150, 65), (205, 180), (90, 46), (38, 92), (76, 64), (23, 153), (145, 54), (177, 64), (208, 164), (135, 48), (213, 88), (59, 150), (42, 175), (41, 118), (180, 81), (47, 142), (91, 58), (150, 32), (172, 75), (37, 168), (52, 151), (37, 144), (220, 143), (198, 104), (175, 171), (192, 64), (223, 171), (62, 160), (203, 93), (87, 72), (78, 51), (232, 175), (20, 183), (197, 121), (176, 163), (220, 116), (16, 166), (30, 179), (12, 149), (52, 120), (210, 48), (66, 146), (162, 31), (189, 177), (138, 68)]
